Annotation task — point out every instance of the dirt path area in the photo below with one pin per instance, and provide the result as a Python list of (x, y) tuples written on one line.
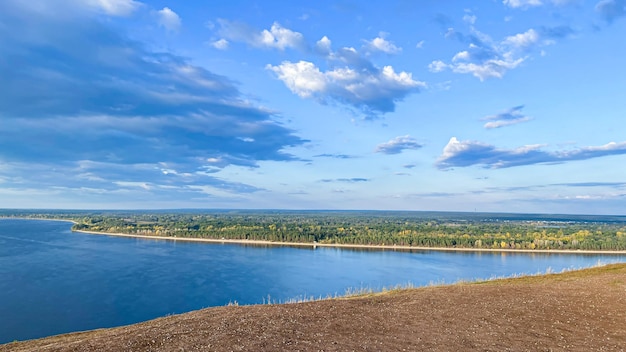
[(576, 311)]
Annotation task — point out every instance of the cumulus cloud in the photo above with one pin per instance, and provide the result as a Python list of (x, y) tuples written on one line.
[(506, 118), (302, 78), (281, 38), (523, 40), (375, 91), (88, 99), (437, 66), (468, 153), (348, 78), (398, 145), (168, 19), (380, 44), (610, 10), (221, 44), (350, 57), (277, 37), (323, 46), (485, 58), (522, 3)]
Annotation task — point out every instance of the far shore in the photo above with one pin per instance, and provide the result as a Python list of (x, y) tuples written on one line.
[(39, 219), (353, 246), (332, 245)]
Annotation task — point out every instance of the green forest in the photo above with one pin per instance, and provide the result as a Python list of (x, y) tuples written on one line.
[(419, 229)]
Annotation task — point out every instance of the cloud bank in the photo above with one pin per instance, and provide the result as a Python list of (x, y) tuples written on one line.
[(468, 153), (90, 101)]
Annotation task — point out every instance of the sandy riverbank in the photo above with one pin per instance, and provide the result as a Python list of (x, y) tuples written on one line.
[(351, 246)]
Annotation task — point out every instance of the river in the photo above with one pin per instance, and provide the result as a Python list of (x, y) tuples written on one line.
[(55, 281)]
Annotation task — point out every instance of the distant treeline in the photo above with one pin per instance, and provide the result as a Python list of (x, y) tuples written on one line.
[(367, 228)]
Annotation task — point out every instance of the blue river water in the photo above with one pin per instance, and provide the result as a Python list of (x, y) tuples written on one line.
[(55, 281)]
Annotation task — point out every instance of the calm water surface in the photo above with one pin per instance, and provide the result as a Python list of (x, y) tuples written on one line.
[(54, 281)]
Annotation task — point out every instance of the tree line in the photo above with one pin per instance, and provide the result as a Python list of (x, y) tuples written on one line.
[(367, 228)]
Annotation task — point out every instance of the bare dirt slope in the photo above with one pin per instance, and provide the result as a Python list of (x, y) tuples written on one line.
[(576, 311)]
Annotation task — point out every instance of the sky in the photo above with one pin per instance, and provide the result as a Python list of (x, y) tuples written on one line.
[(488, 106)]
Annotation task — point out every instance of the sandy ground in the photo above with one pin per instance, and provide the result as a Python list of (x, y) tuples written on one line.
[(576, 311)]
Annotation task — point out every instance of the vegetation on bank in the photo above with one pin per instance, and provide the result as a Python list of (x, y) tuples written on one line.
[(423, 229)]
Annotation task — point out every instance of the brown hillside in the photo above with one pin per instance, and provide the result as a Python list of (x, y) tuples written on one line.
[(576, 311)]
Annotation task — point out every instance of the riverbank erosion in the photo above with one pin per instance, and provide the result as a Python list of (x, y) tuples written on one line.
[(575, 311)]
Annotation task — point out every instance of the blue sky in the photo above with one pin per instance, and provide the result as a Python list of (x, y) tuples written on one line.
[(509, 106)]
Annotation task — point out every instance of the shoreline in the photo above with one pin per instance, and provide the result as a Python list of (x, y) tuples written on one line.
[(353, 246), (333, 245)]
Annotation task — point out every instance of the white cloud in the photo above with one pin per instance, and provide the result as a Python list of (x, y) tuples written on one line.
[(485, 58), (507, 118), (420, 44), (523, 40), (168, 19), (280, 38), (398, 144), (128, 184), (463, 55), (221, 44), (350, 77), (468, 153), (522, 3), (382, 45), (375, 91), (302, 78), (277, 37), (437, 66), (115, 7), (494, 68), (323, 46), (471, 19), (138, 109), (503, 123)]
